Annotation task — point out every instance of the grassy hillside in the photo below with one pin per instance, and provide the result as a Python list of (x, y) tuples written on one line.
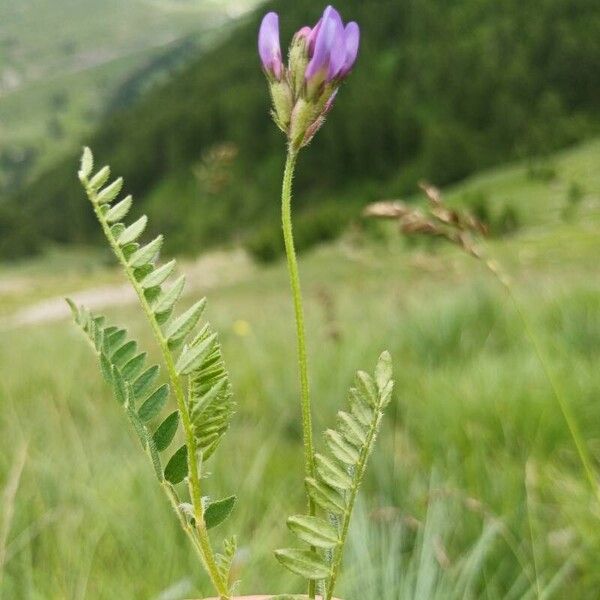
[(475, 489), (440, 91), (62, 62)]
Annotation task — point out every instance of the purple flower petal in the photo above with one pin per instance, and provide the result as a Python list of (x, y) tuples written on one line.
[(327, 35), (313, 37), (352, 42), (268, 45), (338, 51)]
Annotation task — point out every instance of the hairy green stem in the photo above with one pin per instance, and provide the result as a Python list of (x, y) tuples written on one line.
[(203, 542), (569, 417), (359, 473), (292, 263)]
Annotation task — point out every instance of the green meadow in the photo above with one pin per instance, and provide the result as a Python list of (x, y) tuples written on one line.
[(475, 490)]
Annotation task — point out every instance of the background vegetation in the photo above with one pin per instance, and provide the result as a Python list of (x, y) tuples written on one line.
[(475, 489), (65, 65), (441, 90)]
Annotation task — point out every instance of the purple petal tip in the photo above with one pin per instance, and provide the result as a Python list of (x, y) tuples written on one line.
[(268, 44)]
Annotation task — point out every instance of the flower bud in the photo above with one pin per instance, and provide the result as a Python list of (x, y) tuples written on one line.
[(269, 48), (282, 104), (298, 59)]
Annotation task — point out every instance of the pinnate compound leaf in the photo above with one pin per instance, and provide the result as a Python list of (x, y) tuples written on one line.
[(314, 531), (119, 211), (216, 512), (306, 563), (225, 560), (133, 232), (166, 431), (177, 467), (154, 403)]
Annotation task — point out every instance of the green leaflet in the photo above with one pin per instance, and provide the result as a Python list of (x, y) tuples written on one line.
[(340, 448), (100, 178), (109, 193), (177, 468), (332, 473), (353, 431), (383, 372), (191, 357), (306, 563), (133, 232), (124, 353), (146, 254), (180, 327), (163, 305), (119, 211), (366, 387), (166, 431), (113, 341), (154, 403), (314, 531), (87, 164), (134, 366), (216, 512), (328, 498), (142, 385), (158, 276)]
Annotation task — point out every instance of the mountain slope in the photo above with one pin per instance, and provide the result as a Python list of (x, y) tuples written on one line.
[(441, 90), (62, 61)]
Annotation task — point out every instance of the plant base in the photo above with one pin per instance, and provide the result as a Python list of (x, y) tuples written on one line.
[(276, 597)]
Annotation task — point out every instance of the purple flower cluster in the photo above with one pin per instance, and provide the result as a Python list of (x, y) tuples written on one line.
[(320, 58)]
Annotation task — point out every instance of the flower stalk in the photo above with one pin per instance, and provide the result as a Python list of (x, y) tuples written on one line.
[(292, 263)]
